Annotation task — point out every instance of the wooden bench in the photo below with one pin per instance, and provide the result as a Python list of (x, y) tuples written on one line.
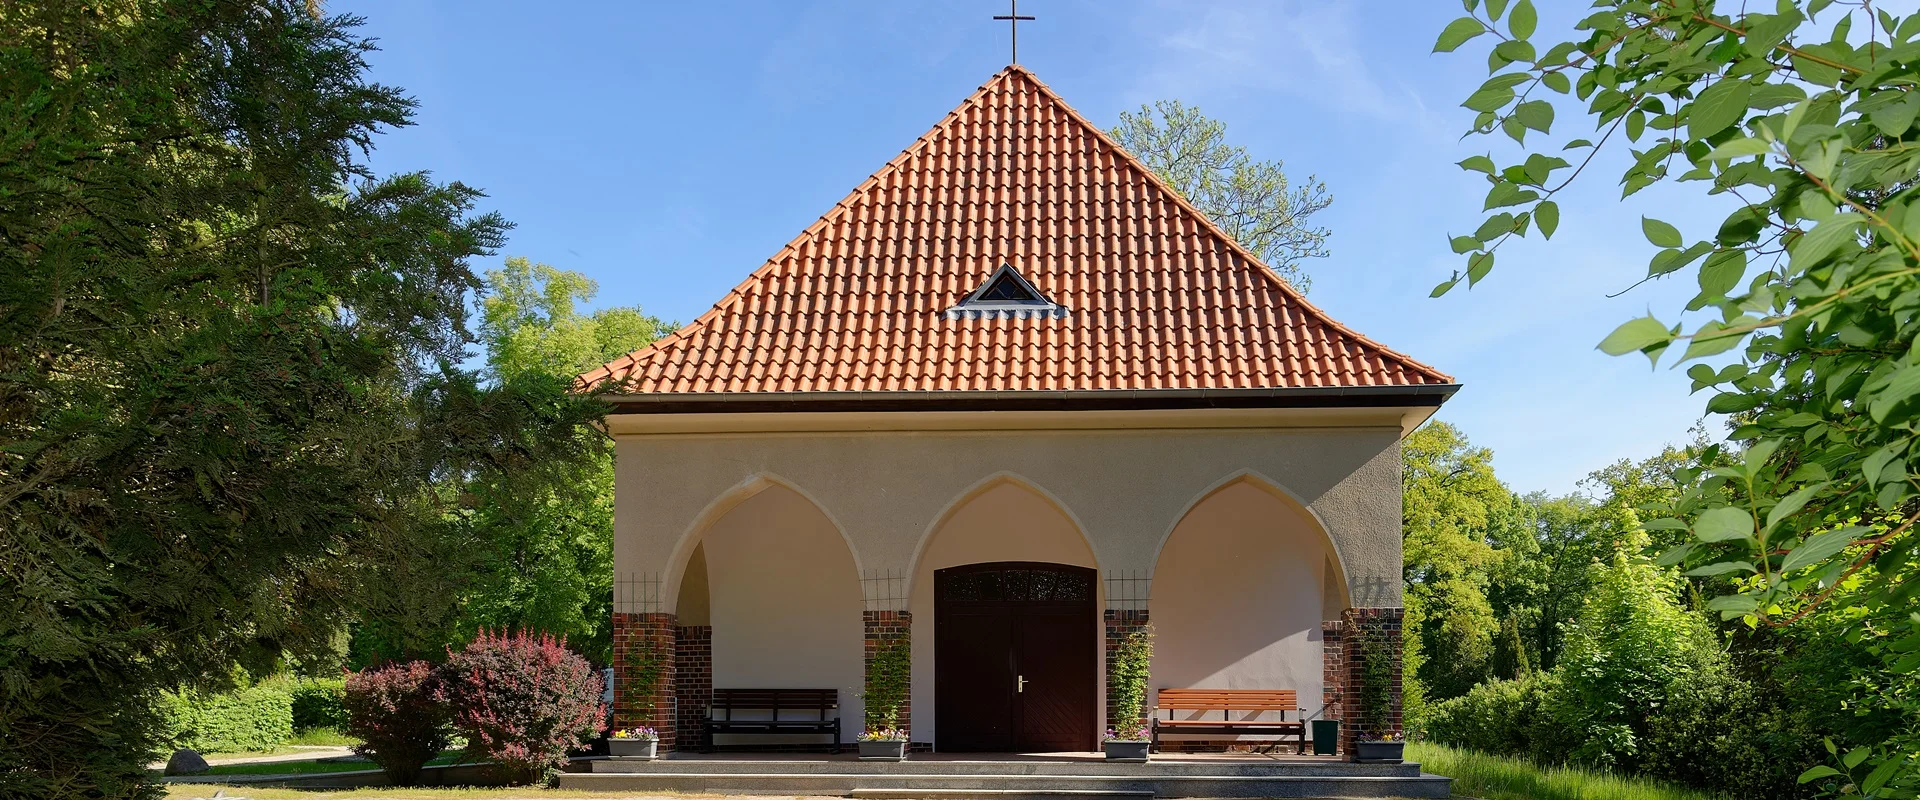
[(818, 711), (1227, 701)]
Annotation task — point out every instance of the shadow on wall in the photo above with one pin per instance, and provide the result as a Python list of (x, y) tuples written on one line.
[(1239, 592)]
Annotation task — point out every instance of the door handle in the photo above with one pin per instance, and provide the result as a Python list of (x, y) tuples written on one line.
[(1022, 686)]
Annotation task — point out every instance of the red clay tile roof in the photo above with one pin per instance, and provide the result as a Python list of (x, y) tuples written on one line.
[(1157, 296)]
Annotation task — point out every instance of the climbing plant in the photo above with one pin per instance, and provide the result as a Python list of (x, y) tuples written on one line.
[(1127, 685), (887, 682), (645, 666)]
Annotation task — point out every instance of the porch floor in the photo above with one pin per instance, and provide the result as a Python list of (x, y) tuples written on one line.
[(974, 776)]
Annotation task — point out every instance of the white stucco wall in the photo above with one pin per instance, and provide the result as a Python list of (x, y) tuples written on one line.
[(1003, 521), (1237, 598), (1127, 488), (784, 600)]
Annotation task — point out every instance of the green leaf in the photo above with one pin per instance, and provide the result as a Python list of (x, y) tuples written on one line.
[(1464, 244), (1816, 773), (1855, 756), (1709, 340), (1820, 548), (1547, 217), (1722, 524), (1791, 504), (1535, 114), (1557, 81), (1660, 233), (1731, 403), (1478, 265), (1721, 568), (1495, 226), (1635, 335), (1722, 104), (1495, 8), (1897, 399), (1443, 287), (1824, 239), (1722, 272), (1733, 604), (1489, 99), (1577, 143), (1878, 778), (1738, 148), (1477, 164), (1457, 33), (1877, 463), (1523, 20)]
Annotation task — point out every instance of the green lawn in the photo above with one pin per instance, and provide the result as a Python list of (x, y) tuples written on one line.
[(1501, 778)]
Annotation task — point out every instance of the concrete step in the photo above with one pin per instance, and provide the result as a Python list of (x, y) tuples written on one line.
[(996, 794), (1011, 785), (947, 766)]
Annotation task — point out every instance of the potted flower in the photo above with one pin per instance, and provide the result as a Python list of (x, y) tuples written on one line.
[(1378, 741), (1127, 744), (1385, 748), (883, 744), (887, 675), (638, 743)]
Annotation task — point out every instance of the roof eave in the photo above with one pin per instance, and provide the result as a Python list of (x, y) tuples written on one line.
[(1420, 395)]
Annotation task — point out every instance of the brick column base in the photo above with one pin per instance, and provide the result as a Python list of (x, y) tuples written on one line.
[(883, 627), (1363, 628), (692, 682), (1120, 624), (637, 640), (1333, 673)]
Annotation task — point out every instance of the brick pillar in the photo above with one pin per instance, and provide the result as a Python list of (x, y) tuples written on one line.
[(1364, 628), (1333, 659), (883, 627), (692, 682), (1120, 624), (637, 639)]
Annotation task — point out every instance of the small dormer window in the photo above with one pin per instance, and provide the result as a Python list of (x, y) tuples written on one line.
[(1006, 295)]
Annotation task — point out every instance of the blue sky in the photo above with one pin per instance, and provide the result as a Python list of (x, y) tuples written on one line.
[(666, 150)]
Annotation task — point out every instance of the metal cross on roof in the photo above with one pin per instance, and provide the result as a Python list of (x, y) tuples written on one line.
[(1013, 19)]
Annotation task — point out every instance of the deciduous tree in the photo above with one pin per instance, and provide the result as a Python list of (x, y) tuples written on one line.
[(1252, 200)]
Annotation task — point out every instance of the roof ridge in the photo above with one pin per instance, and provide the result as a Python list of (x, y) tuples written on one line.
[(735, 294), (1266, 271)]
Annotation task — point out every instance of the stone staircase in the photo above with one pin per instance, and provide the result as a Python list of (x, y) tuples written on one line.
[(945, 778)]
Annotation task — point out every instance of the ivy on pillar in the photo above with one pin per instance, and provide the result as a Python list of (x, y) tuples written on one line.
[(1372, 652), (644, 647)]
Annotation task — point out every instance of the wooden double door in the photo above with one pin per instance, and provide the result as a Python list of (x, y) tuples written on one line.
[(1015, 658)]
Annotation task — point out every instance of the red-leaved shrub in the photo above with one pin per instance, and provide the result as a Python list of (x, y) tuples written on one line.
[(397, 713), (523, 701)]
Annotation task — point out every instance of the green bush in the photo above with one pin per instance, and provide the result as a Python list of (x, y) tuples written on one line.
[(1499, 717), (317, 703), (1723, 733), (252, 718)]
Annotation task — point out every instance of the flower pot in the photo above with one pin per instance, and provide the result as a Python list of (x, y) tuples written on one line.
[(884, 750), (1366, 752), (642, 749), (1130, 752)]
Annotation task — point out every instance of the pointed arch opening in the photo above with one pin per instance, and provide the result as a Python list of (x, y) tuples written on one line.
[(773, 576), (1006, 523), (1241, 585)]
